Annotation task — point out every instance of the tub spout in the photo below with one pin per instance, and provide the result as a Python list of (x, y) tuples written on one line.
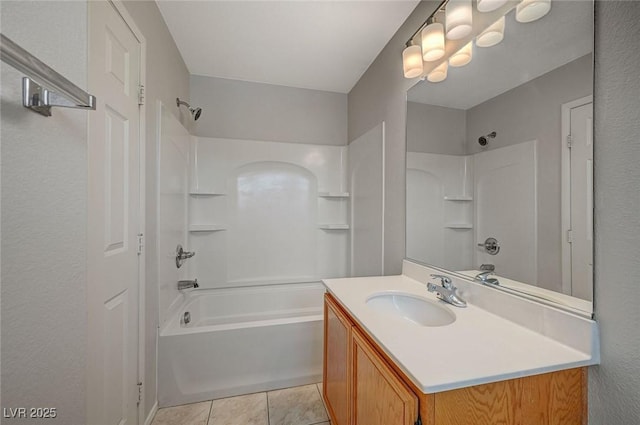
[(187, 284)]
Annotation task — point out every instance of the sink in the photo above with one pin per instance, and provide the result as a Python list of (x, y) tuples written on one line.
[(411, 308)]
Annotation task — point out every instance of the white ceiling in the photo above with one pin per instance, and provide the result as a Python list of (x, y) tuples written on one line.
[(527, 51), (320, 44)]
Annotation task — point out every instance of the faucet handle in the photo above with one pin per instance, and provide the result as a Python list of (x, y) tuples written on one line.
[(444, 280)]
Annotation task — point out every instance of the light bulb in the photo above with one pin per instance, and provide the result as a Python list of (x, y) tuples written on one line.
[(532, 10), (433, 42), (490, 5), (459, 19), (439, 74), (492, 35), (412, 61), (462, 56)]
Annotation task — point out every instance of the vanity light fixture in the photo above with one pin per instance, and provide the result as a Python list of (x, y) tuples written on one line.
[(532, 10), (492, 35), (490, 5), (412, 61), (432, 37), (462, 56), (439, 73), (459, 18)]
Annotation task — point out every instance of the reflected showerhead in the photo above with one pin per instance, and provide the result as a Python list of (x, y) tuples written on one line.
[(483, 139), (195, 112)]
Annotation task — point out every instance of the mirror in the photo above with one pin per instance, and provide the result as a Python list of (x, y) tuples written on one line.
[(500, 162)]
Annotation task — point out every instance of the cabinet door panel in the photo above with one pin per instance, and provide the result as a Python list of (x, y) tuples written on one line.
[(380, 396), (337, 360)]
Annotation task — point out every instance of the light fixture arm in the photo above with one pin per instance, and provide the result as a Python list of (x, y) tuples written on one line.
[(429, 20)]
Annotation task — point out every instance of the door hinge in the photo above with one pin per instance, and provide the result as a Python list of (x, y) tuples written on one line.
[(570, 236), (139, 384), (140, 243), (140, 94), (569, 141)]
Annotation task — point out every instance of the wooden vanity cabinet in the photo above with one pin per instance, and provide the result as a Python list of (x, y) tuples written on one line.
[(363, 386)]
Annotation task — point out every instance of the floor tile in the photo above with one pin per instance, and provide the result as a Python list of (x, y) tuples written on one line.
[(187, 414), (248, 409), (296, 406)]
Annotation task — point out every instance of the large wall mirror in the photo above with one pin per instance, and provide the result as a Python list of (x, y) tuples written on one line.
[(500, 162)]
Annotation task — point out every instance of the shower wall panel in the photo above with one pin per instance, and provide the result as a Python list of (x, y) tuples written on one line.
[(173, 186), (267, 212), (440, 209)]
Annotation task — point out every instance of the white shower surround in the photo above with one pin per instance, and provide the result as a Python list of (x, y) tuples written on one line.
[(275, 212)]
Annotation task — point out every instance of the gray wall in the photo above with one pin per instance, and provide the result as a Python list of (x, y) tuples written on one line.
[(380, 95), (167, 78), (532, 111), (436, 129), (614, 386), (255, 111), (44, 221)]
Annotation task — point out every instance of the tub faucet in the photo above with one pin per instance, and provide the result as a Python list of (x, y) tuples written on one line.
[(483, 276), (446, 291), (187, 284)]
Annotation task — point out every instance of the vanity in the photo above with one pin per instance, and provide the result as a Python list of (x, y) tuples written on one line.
[(386, 364), (499, 203)]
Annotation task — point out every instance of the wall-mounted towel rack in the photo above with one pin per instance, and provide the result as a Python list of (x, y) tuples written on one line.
[(52, 89)]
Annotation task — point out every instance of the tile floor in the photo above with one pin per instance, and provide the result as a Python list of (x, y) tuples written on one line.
[(291, 406)]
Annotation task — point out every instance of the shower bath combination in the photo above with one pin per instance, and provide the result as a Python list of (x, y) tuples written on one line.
[(195, 112)]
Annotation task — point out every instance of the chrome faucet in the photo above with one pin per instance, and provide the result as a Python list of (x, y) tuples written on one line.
[(187, 284), (483, 276), (446, 291)]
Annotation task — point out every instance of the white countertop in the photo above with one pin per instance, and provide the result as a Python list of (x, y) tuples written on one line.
[(478, 348)]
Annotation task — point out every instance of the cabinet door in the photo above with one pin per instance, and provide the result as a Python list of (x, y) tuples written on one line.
[(380, 396), (337, 363)]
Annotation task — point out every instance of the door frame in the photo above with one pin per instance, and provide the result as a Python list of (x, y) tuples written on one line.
[(119, 7), (565, 179)]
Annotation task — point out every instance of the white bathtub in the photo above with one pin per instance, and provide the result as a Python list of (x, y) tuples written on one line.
[(241, 340)]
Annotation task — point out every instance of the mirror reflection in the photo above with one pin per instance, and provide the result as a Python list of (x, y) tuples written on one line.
[(500, 161)]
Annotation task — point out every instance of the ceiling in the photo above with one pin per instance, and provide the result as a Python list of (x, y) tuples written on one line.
[(320, 44), (527, 51)]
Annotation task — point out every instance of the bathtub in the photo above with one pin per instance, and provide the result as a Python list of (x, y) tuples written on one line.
[(239, 341)]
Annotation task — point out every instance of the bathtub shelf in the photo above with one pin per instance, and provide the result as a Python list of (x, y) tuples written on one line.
[(333, 226), (334, 194), (458, 198), (206, 228), (206, 194), (458, 226)]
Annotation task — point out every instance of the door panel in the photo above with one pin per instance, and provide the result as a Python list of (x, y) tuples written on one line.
[(380, 397), (114, 211), (337, 359), (582, 201)]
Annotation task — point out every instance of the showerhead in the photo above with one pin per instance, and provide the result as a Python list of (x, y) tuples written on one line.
[(195, 112), (482, 140)]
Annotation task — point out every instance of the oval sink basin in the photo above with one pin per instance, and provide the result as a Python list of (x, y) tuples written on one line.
[(414, 309)]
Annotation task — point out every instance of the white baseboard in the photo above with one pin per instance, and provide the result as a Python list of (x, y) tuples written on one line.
[(152, 414)]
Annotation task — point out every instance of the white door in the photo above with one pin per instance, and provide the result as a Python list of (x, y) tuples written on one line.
[(114, 219), (581, 229)]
